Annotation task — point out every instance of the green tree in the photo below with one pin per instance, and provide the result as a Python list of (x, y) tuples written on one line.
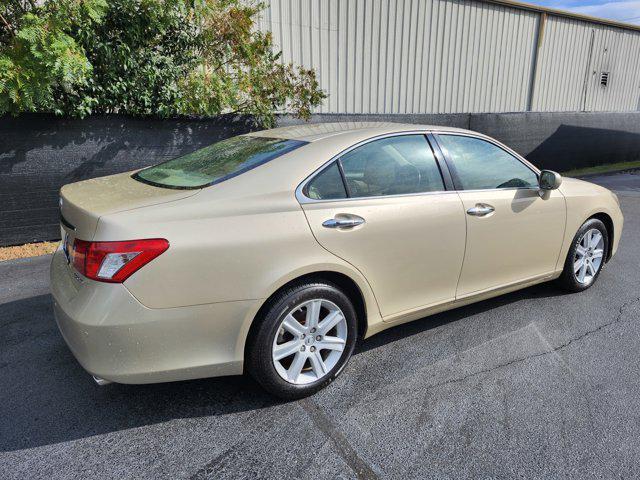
[(146, 57), (40, 59)]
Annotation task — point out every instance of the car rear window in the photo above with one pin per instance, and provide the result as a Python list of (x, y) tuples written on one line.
[(217, 162)]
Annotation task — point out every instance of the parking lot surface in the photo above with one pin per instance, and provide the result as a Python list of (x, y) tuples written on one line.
[(537, 383)]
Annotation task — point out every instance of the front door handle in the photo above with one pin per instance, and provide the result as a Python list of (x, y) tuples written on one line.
[(481, 210), (343, 221)]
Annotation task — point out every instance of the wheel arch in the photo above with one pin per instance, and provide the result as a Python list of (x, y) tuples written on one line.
[(608, 223), (341, 280)]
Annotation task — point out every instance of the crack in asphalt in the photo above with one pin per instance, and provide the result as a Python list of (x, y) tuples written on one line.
[(230, 457), (214, 467), (361, 468), (562, 346)]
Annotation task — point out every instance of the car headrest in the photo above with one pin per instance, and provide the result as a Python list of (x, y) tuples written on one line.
[(379, 171)]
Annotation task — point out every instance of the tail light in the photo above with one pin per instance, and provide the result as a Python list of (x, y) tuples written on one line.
[(114, 261)]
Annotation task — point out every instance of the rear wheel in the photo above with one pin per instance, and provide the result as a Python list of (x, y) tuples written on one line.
[(303, 341), (586, 257)]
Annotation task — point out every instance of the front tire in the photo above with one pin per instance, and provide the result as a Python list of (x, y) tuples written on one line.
[(586, 257), (303, 340)]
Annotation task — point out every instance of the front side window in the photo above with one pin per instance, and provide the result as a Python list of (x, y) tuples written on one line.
[(479, 165), (392, 166), (217, 162)]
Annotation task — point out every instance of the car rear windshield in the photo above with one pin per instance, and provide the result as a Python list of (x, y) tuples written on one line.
[(217, 162)]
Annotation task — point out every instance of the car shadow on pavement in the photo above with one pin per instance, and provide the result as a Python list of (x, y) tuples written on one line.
[(46, 396), (544, 290)]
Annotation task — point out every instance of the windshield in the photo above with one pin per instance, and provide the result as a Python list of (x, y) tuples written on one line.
[(217, 162)]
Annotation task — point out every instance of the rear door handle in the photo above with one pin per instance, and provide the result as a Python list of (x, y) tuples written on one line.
[(343, 221), (481, 210)]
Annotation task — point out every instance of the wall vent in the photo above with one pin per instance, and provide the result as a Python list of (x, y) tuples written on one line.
[(604, 79)]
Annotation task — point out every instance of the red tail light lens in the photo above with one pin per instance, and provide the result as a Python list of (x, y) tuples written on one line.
[(115, 261)]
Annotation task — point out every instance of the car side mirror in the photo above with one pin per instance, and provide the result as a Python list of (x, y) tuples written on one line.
[(549, 180)]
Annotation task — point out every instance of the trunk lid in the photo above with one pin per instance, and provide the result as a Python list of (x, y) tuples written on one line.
[(83, 203)]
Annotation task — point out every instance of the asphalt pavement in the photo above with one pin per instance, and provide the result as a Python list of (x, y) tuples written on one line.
[(537, 383)]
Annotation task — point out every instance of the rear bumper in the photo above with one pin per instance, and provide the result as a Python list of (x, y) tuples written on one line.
[(116, 338)]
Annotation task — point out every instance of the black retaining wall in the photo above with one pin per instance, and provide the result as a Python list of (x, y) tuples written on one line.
[(40, 153)]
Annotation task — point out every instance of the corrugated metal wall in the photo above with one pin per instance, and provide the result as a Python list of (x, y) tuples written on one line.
[(572, 58), (618, 52), (450, 56), (562, 63)]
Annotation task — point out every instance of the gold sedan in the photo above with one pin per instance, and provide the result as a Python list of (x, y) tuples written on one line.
[(272, 253)]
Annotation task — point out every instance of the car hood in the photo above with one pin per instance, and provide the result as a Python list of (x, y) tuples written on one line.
[(572, 186)]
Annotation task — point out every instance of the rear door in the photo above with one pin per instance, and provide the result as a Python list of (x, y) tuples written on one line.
[(384, 208), (513, 233)]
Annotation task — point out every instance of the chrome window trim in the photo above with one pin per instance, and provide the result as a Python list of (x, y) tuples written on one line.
[(498, 189), (376, 197), (439, 192), (303, 199)]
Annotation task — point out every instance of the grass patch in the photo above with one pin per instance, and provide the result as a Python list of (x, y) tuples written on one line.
[(27, 250), (611, 167)]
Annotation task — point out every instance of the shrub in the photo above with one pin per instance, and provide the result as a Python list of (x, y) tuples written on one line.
[(146, 57)]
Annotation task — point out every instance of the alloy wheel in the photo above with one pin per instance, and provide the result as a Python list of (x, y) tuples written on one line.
[(309, 341), (589, 255)]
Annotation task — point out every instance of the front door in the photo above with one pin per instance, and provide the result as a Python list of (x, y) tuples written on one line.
[(513, 233), (394, 221)]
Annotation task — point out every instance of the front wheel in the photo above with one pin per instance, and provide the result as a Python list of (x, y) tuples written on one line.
[(303, 341), (586, 257)]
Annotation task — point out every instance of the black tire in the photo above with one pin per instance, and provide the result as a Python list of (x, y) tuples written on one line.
[(568, 279), (259, 362)]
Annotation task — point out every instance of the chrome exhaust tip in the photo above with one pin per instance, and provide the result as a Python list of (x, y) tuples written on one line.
[(100, 381)]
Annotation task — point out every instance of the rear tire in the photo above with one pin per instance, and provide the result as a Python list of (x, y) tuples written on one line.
[(303, 340), (586, 257)]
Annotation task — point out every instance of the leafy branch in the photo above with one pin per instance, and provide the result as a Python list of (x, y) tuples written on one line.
[(146, 58)]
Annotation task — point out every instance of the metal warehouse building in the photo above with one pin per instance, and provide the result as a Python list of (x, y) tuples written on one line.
[(561, 89), (453, 56)]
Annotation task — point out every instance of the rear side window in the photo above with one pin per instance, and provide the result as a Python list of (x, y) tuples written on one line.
[(479, 165), (392, 166), (327, 184), (217, 162)]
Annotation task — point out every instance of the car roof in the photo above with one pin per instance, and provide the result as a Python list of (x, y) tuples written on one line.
[(312, 132)]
